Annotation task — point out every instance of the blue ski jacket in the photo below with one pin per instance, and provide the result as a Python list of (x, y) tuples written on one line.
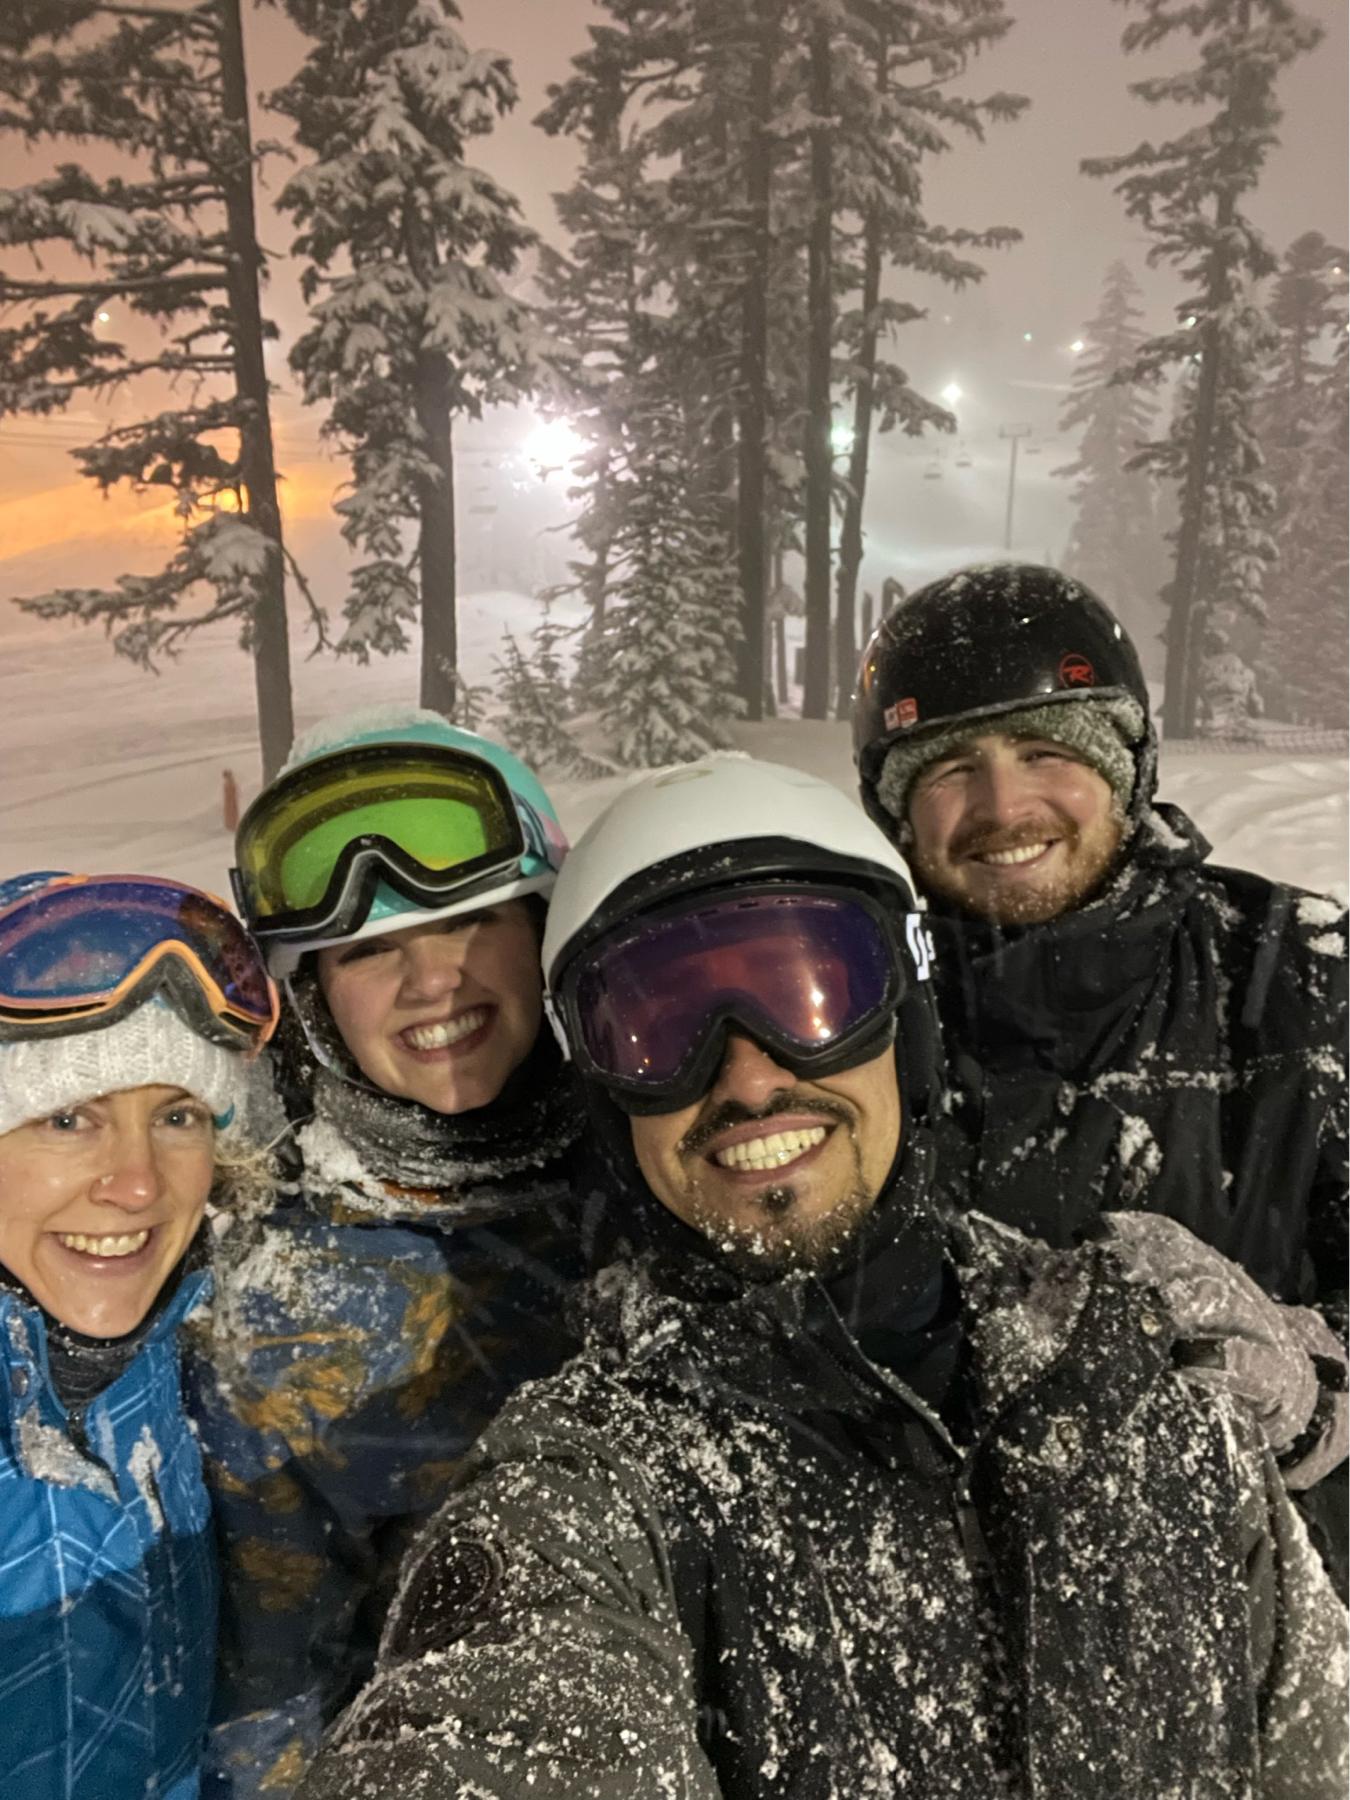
[(107, 1575)]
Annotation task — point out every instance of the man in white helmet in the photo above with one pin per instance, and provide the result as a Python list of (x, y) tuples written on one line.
[(840, 1499)]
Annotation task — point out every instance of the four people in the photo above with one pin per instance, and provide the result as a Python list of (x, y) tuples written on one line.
[(842, 1497), (851, 1477), (129, 1008)]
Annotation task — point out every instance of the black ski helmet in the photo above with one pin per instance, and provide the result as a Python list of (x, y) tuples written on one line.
[(988, 640)]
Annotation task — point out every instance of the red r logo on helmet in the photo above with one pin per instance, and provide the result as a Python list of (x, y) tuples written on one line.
[(1076, 671), (903, 713)]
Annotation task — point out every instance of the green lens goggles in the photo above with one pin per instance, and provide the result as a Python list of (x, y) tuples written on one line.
[(430, 821)]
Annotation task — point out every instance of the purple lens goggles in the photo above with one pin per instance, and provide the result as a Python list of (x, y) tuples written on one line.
[(809, 975)]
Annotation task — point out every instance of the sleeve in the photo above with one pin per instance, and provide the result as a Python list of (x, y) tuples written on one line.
[(534, 1649), (354, 1370), (1299, 1646)]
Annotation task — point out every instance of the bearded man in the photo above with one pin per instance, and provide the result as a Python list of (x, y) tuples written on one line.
[(1128, 1025)]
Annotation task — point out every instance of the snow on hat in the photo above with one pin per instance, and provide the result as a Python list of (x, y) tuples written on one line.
[(1101, 732), (152, 1047)]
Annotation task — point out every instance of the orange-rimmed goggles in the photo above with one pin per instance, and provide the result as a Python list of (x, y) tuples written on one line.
[(84, 949)]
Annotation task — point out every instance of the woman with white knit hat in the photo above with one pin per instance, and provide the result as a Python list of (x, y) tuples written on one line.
[(129, 1010)]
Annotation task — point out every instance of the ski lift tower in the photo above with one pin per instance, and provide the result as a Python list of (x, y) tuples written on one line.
[(1013, 434)]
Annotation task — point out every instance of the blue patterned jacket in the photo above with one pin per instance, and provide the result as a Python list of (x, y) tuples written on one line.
[(107, 1575), (362, 1337)]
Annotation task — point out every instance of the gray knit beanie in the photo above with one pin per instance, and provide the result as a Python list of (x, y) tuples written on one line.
[(1102, 732), (152, 1047)]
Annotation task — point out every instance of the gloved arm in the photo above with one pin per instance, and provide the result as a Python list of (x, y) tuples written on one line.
[(1283, 1363)]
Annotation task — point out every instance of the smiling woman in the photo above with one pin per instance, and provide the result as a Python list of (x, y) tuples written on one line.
[(396, 873), (128, 1009)]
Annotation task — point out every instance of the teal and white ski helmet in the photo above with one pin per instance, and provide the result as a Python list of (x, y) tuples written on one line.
[(533, 873)]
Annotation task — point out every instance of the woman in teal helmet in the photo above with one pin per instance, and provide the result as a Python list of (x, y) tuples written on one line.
[(412, 1271)]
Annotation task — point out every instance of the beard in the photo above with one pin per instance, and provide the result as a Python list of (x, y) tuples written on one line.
[(1087, 859), (774, 1237)]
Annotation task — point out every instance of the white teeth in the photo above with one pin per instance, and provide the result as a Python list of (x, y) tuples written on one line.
[(1026, 853), (126, 1245), (436, 1037), (770, 1152)]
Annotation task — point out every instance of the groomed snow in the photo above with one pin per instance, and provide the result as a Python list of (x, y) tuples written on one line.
[(108, 768)]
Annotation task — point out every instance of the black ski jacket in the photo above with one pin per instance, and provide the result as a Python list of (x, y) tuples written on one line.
[(1176, 1046), (724, 1553)]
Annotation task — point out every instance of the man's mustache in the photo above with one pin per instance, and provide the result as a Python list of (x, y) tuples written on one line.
[(733, 1112)]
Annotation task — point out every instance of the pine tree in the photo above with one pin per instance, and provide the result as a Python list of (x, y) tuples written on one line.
[(1116, 544), (535, 708), (666, 688), (172, 249), (1186, 192), (1301, 422), (897, 111), (409, 250)]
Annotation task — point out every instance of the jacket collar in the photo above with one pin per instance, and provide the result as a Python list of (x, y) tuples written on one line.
[(1066, 989), (26, 1387)]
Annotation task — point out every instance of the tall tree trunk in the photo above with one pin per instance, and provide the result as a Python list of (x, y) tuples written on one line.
[(820, 335), (752, 410), (850, 531), (1186, 608), (271, 643), (436, 539)]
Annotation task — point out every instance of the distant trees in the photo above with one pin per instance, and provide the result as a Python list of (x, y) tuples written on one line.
[(1116, 545), (1187, 192), (750, 170), (1301, 424), (408, 250), (166, 255)]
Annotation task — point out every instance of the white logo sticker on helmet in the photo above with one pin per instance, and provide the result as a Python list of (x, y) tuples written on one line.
[(920, 945)]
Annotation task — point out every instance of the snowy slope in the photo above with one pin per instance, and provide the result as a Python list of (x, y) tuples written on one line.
[(105, 767)]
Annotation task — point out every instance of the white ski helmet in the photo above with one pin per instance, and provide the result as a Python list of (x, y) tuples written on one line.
[(730, 819)]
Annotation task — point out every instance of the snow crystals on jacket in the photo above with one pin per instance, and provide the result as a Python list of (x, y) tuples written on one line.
[(1176, 1046), (107, 1575), (363, 1335), (723, 1554)]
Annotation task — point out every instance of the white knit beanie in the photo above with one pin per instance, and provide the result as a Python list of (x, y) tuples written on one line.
[(152, 1047)]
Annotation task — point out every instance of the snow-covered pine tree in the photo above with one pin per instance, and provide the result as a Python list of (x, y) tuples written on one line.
[(166, 255), (534, 708), (1116, 544), (597, 296), (1301, 422), (683, 91), (667, 689), (895, 74), (1187, 193), (409, 249)]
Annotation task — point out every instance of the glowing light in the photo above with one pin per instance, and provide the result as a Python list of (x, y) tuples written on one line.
[(841, 439), (553, 444), (103, 317), (1190, 320), (1026, 337), (953, 392), (1077, 347)]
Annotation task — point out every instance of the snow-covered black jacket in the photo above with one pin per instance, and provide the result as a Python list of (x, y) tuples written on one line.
[(724, 1552), (1176, 1046), (365, 1330)]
